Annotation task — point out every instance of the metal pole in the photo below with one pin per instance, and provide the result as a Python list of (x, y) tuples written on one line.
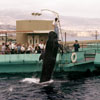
[(65, 38), (96, 35), (6, 37), (82, 46)]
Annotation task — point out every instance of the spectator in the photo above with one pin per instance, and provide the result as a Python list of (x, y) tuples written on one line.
[(76, 46), (18, 48), (41, 45), (7, 50), (37, 49), (15, 49), (29, 49), (12, 48), (9, 46), (3, 48), (33, 49), (22, 49)]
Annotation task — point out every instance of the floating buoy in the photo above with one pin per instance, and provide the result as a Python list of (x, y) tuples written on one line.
[(74, 57)]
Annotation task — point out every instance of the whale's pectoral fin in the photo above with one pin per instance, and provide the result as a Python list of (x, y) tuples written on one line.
[(61, 48)]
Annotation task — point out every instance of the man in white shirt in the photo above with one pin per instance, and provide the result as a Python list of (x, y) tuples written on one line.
[(12, 48), (41, 45), (22, 49), (56, 26)]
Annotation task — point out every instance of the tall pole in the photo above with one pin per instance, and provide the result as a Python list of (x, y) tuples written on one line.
[(6, 37), (96, 35), (65, 38)]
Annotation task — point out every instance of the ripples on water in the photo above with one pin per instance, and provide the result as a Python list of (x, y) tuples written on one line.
[(63, 88)]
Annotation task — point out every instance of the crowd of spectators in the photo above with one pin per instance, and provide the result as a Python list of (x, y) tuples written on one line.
[(17, 48)]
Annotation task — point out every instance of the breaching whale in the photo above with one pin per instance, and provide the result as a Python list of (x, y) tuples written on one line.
[(49, 58)]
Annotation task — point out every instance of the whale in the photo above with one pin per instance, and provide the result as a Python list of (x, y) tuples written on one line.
[(49, 57)]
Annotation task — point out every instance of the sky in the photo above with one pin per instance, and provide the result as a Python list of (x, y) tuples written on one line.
[(79, 8)]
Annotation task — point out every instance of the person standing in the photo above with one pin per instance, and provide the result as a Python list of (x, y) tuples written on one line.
[(12, 48), (56, 26), (22, 49), (41, 45), (3, 48), (76, 46), (19, 48), (37, 49)]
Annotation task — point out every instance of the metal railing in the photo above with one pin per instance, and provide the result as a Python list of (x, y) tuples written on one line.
[(83, 47)]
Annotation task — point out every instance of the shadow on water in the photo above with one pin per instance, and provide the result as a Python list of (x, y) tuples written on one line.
[(71, 75), (52, 93), (75, 75), (49, 90)]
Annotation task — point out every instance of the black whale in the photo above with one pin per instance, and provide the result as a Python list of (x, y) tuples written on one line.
[(49, 58)]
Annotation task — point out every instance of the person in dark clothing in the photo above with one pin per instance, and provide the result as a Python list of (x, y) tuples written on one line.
[(37, 49), (7, 50), (76, 46)]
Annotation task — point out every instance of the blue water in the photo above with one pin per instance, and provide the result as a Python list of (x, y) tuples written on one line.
[(62, 88)]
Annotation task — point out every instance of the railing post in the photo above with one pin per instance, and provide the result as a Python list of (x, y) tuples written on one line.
[(97, 46), (65, 38), (85, 55), (6, 37), (82, 46), (95, 52)]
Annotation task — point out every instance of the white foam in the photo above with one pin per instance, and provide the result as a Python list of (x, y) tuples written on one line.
[(10, 89), (36, 81), (31, 80), (47, 82)]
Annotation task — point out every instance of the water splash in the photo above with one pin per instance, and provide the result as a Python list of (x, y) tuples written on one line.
[(10, 89), (36, 81), (31, 80)]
